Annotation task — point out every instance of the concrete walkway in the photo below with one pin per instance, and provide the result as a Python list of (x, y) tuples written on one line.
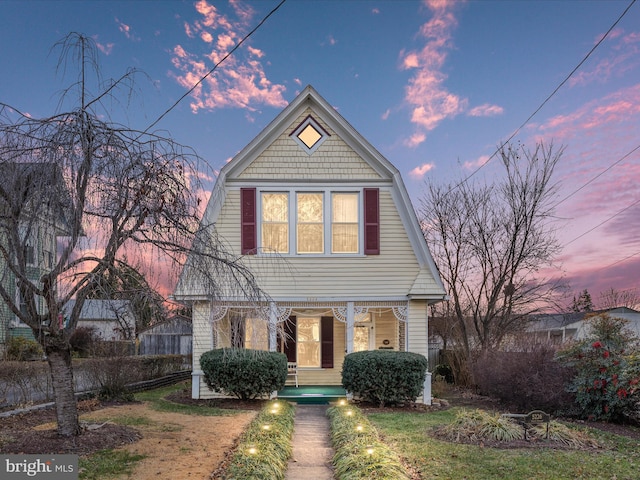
[(312, 450)]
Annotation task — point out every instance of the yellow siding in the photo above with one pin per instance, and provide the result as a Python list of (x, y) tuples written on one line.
[(284, 159), (386, 328), (391, 273), (417, 328)]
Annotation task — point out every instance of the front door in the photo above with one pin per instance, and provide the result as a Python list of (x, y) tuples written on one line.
[(362, 337)]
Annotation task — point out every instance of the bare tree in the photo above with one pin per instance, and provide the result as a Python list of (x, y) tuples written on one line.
[(489, 242), (613, 298), (101, 191)]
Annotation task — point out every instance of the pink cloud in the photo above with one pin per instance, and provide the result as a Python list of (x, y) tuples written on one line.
[(622, 56), (415, 139), (418, 173), (486, 110), (126, 29), (472, 165), (430, 101), (615, 108), (242, 82), (105, 48)]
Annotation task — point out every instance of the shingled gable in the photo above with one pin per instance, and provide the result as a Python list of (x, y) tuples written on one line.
[(427, 284)]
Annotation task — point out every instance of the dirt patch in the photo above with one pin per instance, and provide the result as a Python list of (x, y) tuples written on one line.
[(175, 445)]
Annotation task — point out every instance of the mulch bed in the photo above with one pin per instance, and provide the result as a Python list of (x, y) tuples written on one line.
[(18, 436)]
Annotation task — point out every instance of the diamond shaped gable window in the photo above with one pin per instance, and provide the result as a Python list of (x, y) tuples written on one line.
[(309, 135)]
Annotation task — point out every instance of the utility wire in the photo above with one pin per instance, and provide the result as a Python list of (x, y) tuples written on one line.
[(466, 179), (188, 92), (597, 176), (603, 222), (619, 261)]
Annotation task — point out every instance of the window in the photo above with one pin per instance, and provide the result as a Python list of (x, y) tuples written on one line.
[(344, 223), (310, 224), (256, 334), (275, 222), (308, 342), (314, 223), (29, 255), (309, 135), (48, 258)]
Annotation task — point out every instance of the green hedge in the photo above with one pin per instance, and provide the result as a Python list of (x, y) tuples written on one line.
[(244, 373), (384, 377)]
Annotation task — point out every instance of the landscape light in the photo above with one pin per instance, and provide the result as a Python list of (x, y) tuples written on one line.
[(370, 450), (349, 413), (266, 427), (252, 450), (359, 428)]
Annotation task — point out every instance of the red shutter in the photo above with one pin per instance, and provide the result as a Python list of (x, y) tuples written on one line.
[(326, 339), (248, 231), (290, 339), (371, 221)]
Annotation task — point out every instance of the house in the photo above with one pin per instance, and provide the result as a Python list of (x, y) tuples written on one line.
[(562, 327), (325, 223), (171, 337), (30, 224), (110, 320)]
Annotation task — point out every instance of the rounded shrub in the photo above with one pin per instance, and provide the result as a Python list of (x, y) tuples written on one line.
[(384, 377), (606, 383), (22, 349), (244, 373)]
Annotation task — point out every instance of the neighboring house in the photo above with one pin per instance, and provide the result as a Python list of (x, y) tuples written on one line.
[(559, 328), (172, 336), (325, 223), (110, 320), (26, 188)]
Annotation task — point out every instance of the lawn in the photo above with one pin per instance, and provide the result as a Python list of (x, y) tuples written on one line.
[(408, 433)]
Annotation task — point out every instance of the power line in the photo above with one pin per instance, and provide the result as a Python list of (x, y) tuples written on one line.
[(188, 92), (603, 222), (598, 176), (546, 100), (618, 261)]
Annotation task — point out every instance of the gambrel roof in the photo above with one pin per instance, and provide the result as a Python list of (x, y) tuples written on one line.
[(273, 146)]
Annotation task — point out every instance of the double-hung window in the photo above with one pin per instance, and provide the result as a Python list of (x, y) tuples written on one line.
[(275, 222), (310, 222), (344, 223)]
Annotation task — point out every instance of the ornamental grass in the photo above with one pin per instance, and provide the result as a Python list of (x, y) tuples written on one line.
[(359, 453), (265, 447)]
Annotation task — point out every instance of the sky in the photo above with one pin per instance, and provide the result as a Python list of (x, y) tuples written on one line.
[(434, 85)]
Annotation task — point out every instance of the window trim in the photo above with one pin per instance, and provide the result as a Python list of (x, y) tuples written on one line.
[(309, 120), (327, 219)]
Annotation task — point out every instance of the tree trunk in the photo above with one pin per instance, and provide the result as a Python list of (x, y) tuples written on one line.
[(62, 378)]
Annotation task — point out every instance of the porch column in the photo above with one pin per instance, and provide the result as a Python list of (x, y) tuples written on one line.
[(273, 327), (351, 321), (426, 394)]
